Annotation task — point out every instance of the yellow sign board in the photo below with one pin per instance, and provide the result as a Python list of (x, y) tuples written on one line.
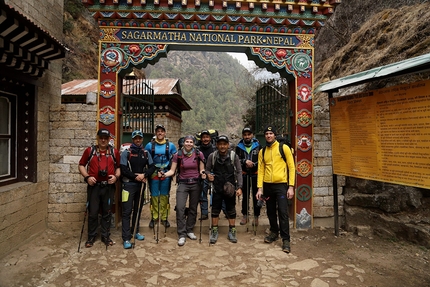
[(383, 134)]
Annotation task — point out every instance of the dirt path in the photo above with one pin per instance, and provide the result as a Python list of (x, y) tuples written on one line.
[(318, 258)]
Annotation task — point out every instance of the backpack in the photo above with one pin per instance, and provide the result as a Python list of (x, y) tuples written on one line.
[(94, 151)]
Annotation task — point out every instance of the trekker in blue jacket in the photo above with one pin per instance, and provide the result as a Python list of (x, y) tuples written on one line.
[(247, 149)]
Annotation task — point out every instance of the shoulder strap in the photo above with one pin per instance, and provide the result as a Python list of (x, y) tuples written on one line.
[(112, 152), (92, 151), (152, 148), (214, 154), (281, 151), (167, 149)]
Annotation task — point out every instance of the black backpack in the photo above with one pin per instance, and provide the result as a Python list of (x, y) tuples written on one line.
[(94, 151)]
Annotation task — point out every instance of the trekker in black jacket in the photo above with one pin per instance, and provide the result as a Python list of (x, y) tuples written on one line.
[(136, 168)]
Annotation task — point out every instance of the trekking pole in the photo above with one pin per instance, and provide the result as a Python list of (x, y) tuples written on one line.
[(139, 210), (210, 211), (83, 225), (254, 224), (247, 200), (201, 216), (158, 211), (167, 213)]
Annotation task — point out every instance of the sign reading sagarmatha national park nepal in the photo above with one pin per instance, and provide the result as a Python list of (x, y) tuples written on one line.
[(383, 134), (163, 36)]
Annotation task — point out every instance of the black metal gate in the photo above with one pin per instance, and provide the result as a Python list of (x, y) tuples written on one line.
[(137, 108), (273, 107)]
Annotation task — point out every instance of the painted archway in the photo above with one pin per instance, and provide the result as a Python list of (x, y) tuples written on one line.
[(276, 35)]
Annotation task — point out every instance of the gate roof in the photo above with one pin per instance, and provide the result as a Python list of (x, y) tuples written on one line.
[(293, 14)]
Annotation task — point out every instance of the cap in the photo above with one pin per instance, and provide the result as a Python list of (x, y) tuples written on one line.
[(189, 137), (205, 132), (270, 128), (246, 130), (103, 133), (136, 133), (160, 127), (222, 138)]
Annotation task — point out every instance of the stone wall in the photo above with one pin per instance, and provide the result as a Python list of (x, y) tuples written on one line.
[(323, 199), (24, 206), (73, 128)]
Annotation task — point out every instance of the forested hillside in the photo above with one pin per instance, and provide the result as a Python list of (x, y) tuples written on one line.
[(214, 84)]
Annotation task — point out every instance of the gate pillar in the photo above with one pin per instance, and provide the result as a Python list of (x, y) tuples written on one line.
[(297, 66)]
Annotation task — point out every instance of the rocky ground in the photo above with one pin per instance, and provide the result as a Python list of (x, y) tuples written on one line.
[(318, 259)]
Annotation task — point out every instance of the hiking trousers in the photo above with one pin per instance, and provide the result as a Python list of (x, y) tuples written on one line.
[(277, 207), (100, 197), (185, 224), (130, 201), (246, 193), (160, 190)]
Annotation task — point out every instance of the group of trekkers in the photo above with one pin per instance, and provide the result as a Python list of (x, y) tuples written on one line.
[(207, 167)]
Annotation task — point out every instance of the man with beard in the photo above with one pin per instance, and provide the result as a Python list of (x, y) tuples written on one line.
[(247, 150)]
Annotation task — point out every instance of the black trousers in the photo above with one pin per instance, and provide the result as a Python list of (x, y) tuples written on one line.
[(100, 198), (130, 203), (277, 206), (246, 193)]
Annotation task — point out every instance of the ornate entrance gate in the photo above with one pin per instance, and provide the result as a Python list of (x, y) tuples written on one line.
[(137, 107), (273, 107), (276, 35)]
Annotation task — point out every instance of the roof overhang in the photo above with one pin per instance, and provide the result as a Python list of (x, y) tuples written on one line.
[(414, 65), (25, 47)]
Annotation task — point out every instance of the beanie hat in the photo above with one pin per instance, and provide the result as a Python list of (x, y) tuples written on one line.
[(270, 128)]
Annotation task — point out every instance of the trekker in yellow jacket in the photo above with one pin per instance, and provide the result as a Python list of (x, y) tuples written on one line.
[(276, 177)]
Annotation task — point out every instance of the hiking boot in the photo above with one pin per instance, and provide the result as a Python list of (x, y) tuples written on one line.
[(244, 220), (139, 236), (181, 241), (192, 236), (232, 235), (255, 221), (271, 237), (214, 235), (286, 246), (107, 241), (204, 217), (127, 244), (166, 223), (90, 242), (151, 223)]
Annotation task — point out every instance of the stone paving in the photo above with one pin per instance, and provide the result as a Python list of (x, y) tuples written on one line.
[(318, 259)]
